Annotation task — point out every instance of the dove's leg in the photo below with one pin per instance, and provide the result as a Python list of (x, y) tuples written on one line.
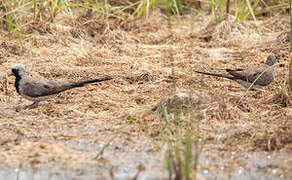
[(33, 105)]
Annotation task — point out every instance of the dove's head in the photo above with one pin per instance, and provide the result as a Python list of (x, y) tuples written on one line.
[(272, 59), (18, 71)]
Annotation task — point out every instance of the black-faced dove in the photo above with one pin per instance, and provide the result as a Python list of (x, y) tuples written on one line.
[(261, 75), (36, 89)]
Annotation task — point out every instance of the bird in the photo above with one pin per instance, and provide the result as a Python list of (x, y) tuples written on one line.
[(259, 76), (40, 89)]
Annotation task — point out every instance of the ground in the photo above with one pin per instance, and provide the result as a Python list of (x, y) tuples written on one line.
[(245, 135)]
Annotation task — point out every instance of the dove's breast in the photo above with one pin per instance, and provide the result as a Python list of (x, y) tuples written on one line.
[(266, 78)]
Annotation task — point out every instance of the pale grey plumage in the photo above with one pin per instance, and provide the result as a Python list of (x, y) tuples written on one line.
[(247, 76), (37, 89)]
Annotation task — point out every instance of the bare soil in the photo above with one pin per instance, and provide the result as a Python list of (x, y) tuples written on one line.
[(245, 135)]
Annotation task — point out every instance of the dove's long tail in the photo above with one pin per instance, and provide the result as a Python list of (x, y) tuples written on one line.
[(82, 83), (228, 76), (79, 84)]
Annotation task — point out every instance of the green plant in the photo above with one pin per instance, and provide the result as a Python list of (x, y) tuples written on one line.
[(181, 138), (217, 9)]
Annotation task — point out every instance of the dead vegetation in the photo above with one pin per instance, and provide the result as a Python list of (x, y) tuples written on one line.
[(137, 55)]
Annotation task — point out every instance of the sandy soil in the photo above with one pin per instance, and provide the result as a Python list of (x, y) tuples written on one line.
[(251, 138)]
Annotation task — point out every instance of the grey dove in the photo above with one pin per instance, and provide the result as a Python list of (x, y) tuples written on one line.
[(37, 89), (247, 76)]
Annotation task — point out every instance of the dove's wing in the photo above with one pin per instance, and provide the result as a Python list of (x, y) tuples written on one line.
[(43, 87), (251, 74)]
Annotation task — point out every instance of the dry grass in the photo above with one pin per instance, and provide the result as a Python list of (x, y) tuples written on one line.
[(136, 54)]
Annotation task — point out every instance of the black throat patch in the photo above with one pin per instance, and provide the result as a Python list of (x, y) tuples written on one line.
[(16, 83)]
